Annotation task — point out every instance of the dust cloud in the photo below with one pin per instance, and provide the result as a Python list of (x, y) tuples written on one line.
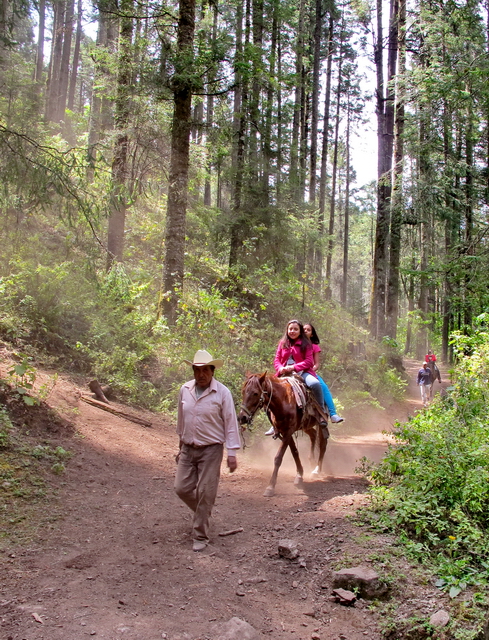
[(349, 441)]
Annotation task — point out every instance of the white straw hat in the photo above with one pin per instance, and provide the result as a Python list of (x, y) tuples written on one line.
[(201, 358)]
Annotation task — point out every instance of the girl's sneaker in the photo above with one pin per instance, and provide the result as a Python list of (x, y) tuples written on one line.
[(335, 418)]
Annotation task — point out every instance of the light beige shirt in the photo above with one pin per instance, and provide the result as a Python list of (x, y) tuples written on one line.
[(209, 419)]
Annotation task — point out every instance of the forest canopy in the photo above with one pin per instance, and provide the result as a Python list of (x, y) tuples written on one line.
[(178, 157)]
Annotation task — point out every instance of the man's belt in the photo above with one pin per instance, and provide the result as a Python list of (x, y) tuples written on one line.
[(201, 446)]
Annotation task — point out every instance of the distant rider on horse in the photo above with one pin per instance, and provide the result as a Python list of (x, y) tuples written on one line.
[(430, 359)]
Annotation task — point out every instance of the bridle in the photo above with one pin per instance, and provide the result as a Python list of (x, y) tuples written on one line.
[(261, 402)]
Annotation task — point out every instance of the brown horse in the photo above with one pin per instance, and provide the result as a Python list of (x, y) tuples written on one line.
[(435, 375), (276, 397)]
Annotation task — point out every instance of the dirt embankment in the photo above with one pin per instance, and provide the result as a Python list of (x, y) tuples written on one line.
[(111, 557)]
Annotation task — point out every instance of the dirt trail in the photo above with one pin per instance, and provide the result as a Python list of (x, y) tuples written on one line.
[(113, 559)]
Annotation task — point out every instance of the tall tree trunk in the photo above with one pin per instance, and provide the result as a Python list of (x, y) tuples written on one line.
[(196, 136), (278, 180), (392, 308), (294, 177), (385, 137), (447, 325), (254, 106), (329, 257), (410, 297), (76, 57), (118, 202), (40, 42), (64, 72), (3, 25), (267, 145), (210, 119), (487, 110), (318, 24), (100, 106), (237, 228), (469, 214), (346, 236), (304, 132), (382, 225), (422, 342), (179, 162), (53, 85), (324, 150)]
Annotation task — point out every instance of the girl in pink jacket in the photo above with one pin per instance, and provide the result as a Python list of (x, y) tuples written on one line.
[(295, 354)]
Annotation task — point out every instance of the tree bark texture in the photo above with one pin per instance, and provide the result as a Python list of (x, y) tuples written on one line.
[(392, 308), (76, 57), (267, 142), (179, 162), (318, 24), (329, 257), (385, 136), (325, 142), (119, 196), (101, 112), (294, 177), (64, 72), (240, 118), (210, 120), (53, 85), (346, 235), (40, 41)]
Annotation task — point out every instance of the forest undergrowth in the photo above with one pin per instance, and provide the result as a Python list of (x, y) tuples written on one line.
[(108, 325), (432, 487)]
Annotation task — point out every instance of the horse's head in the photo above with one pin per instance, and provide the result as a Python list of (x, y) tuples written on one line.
[(253, 397)]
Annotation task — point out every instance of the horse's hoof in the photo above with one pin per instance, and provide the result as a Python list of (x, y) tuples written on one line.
[(299, 481), (269, 492), (315, 474)]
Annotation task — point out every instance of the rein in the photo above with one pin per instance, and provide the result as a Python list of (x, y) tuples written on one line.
[(251, 414)]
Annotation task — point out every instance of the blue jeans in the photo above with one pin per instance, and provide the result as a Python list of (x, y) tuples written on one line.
[(328, 398), (315, 386)]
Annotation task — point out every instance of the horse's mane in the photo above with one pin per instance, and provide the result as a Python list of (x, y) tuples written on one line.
[(270, 376)]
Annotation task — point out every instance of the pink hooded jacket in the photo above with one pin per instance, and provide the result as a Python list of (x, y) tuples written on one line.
[(303, 362)]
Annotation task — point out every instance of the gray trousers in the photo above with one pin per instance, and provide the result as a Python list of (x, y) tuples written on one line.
[(196, 483)]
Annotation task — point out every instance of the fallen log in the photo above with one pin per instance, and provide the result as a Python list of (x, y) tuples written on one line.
[(116, 412)]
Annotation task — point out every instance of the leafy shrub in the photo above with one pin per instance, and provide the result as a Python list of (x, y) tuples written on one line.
[(106, 325), (433, 484)]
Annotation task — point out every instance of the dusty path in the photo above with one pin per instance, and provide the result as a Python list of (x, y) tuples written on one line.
[(112, 558)]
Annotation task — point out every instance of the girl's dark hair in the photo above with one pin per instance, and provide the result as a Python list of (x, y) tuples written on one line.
[(314, 336), (285, 341)]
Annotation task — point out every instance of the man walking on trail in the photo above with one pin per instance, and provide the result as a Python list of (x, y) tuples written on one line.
[(206, 421), (424, 380)]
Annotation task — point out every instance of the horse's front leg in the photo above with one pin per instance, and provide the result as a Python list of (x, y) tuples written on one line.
[(270, 490), (299, 478)]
